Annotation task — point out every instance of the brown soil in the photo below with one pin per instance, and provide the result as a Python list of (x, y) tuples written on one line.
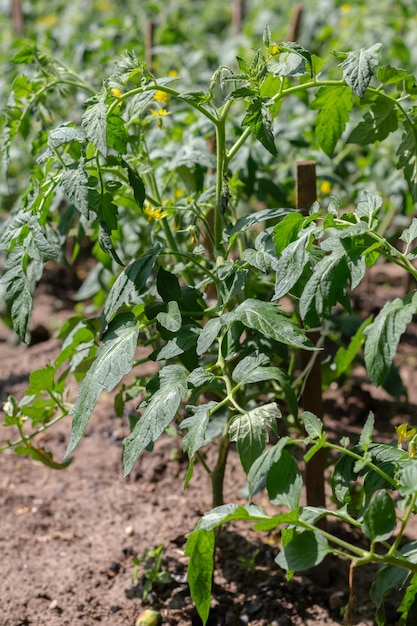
[(69, 538)]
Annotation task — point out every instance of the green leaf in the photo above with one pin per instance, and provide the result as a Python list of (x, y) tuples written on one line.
[(250, 431), (247, 221), (232, 285), (208, 335), (383, 335), (259, 121), (295, 48), (358, 68), (377, 124), (366, 435), (196, 427), (343, 265), (334, 104), (64, 134), (263, 463), (231, 512), (105, 242), (379, 520), (410, 234), (407, 157), (266, 37), (37, 244), (327, 285), (74, 181), (291, 263), (306, 549), (389, 75), (390, 578), (114, 359), (408, 477), (200, 550), (270, 321), (41, 380), (284, 482), (345, 356), (250, 370), (200, 377), (116, 136), (312, 424), (408, 606), (137, 185), (185, 339), (171, 318), (129, 284), (287, 63), (287, 229), (94, 123), (168, 286), (25, 54), (158, 411), (20, 285)]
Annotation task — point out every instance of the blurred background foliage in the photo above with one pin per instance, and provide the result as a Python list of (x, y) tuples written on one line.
[(194, 39)]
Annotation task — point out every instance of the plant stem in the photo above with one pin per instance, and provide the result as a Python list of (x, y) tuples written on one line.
[(217, 475), (404, 523)]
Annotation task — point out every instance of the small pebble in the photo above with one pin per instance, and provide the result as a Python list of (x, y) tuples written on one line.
[(129, 531)]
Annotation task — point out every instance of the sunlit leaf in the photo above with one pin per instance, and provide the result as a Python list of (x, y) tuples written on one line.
[(358, 68), (334, 104), (250, 431), (383, 335), (158, 411), (200, 550), (114, 359), (379, 520), (94, 123), (306, 549)]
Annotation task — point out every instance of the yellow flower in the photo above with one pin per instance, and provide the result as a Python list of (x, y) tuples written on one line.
[(160, 112), (404, 432), (173, 73), (116, 92), (325, 187), (161, 96), (345, 8), (47, 21), (274, 49), (154, 214)]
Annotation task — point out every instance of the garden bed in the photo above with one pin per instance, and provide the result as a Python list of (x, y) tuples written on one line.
[(69, 538)]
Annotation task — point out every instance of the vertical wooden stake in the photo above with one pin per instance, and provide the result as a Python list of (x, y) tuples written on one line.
[(297, 14), (312, 396), (149, 37), (238, 12), (16, 13)]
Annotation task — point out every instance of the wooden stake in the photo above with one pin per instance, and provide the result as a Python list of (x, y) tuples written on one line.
[(149, 43), (295, 25), (238, 11), (312, 396), (16, 14)]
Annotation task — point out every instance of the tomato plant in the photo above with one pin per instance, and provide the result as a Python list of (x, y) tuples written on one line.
[(160, 182)]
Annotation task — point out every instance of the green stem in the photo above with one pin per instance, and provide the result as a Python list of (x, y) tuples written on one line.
[(24, 438), (404, 523), (171, 92), (217, 475), (220, 179), (369, 464), (194, 261)]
